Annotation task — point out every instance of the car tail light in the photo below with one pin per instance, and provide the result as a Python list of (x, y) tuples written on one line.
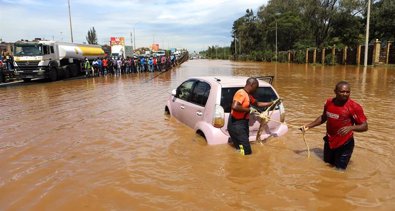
[(219, 117), (282, 112)]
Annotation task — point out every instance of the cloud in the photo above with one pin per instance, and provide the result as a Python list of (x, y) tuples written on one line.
[(193, 24)]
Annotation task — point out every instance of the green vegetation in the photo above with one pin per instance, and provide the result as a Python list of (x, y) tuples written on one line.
[(306, 23), (216, 52), (91, 37)]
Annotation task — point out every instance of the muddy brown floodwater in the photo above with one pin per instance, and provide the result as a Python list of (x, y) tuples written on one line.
[(105, 144)]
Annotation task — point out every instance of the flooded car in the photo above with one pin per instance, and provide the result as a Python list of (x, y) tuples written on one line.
[(204, 104)]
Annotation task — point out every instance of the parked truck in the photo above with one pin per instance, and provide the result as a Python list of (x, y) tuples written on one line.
[(51, 59)]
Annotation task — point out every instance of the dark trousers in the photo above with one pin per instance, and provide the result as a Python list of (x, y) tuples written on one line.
[(239, 133), (340, 156)]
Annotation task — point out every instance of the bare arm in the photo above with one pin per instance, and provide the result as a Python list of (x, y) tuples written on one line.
[(237, 107), (263, 104), (321, 119)]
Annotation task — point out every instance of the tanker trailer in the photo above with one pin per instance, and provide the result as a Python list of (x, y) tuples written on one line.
[(52, 60)]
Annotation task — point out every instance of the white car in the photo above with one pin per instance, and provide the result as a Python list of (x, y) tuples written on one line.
[(204, 103)]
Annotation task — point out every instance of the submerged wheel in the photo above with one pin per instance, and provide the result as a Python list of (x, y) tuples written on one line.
[(66, 73), (167, 112), (53, 74), (74, 70)]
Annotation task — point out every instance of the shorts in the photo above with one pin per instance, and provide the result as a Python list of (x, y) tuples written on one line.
[(340, 156), (239, 133)]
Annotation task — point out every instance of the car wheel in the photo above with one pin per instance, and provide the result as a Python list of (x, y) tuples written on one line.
[(200, 138), (167, 112)]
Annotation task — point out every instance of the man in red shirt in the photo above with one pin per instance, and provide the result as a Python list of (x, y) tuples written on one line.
[(240, 114), (343, 116)]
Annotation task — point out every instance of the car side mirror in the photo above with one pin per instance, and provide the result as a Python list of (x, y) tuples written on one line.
[(173, 92)]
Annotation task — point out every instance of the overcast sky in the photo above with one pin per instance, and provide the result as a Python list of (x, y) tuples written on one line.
[(191, 24)]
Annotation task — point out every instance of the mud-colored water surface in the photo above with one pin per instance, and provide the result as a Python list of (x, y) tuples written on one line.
[(105, 144)]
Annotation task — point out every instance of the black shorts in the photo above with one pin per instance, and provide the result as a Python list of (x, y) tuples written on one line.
[(340, 156), (239, 133)]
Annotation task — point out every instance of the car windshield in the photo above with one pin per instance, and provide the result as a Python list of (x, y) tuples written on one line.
[(28, 50), (262, 94)]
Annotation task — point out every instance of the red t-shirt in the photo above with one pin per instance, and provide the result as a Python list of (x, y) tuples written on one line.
[(105, 62), (244, 99), (350, 113)]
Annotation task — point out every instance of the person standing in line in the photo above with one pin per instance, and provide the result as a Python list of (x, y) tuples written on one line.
[(142, 63), (163, 62), (100, 67), (105, 66), (87, 67), (150, 65), (119, 66), (159, 63), (240, 114), (155, 62), (343, 116)]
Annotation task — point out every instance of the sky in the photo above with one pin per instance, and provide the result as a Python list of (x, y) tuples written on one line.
[(189, 24)]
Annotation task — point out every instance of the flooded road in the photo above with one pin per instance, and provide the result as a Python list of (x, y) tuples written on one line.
[(105, 144)]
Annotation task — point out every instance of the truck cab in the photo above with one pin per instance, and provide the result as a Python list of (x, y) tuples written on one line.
[(32, 59)]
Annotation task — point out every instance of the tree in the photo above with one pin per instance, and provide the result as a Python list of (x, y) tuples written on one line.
[(310, 23), (383, 20), (91, 38), (347, 29)]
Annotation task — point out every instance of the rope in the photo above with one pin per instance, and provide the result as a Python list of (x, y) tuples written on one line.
[(305, 142), (265, 117)]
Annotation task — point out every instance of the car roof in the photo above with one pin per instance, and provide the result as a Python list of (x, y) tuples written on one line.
[(230, 81)]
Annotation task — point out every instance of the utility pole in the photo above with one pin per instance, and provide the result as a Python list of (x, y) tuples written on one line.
[(131, 39), (365, 61), (276, 41), (134, 38), (71, 26)]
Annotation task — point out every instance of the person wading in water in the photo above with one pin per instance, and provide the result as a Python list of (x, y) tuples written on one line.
[(240, 114), (343, 116)]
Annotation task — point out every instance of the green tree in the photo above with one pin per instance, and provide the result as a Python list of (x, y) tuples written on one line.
[(347, 29), (382, 25), (309, 23), (91, 37)]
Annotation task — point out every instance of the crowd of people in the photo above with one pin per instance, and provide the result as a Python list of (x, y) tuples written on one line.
[(6, 60), (116, 66), (6, 65)]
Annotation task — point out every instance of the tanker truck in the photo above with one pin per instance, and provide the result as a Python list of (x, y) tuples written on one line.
[(52, 60)]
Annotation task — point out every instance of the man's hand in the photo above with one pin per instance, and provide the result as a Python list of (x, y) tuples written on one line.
[(344, 130), (304, 128)]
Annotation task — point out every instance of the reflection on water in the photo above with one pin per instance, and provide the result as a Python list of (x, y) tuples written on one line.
[(105, 144)]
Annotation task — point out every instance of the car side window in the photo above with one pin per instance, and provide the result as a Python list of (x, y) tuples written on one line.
[(184, 91), (200, 93)]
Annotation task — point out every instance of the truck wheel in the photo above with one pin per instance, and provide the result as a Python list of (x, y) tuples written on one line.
[(74, 70), (27, 79), (66, 73), (53, 74)]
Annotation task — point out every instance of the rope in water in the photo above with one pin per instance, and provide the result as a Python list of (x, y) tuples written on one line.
[(265, 117)]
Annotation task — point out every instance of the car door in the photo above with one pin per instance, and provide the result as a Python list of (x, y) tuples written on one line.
[(195, 107), (179, 101)]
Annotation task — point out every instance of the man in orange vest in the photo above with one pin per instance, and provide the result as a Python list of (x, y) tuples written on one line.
[(240, 114)]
